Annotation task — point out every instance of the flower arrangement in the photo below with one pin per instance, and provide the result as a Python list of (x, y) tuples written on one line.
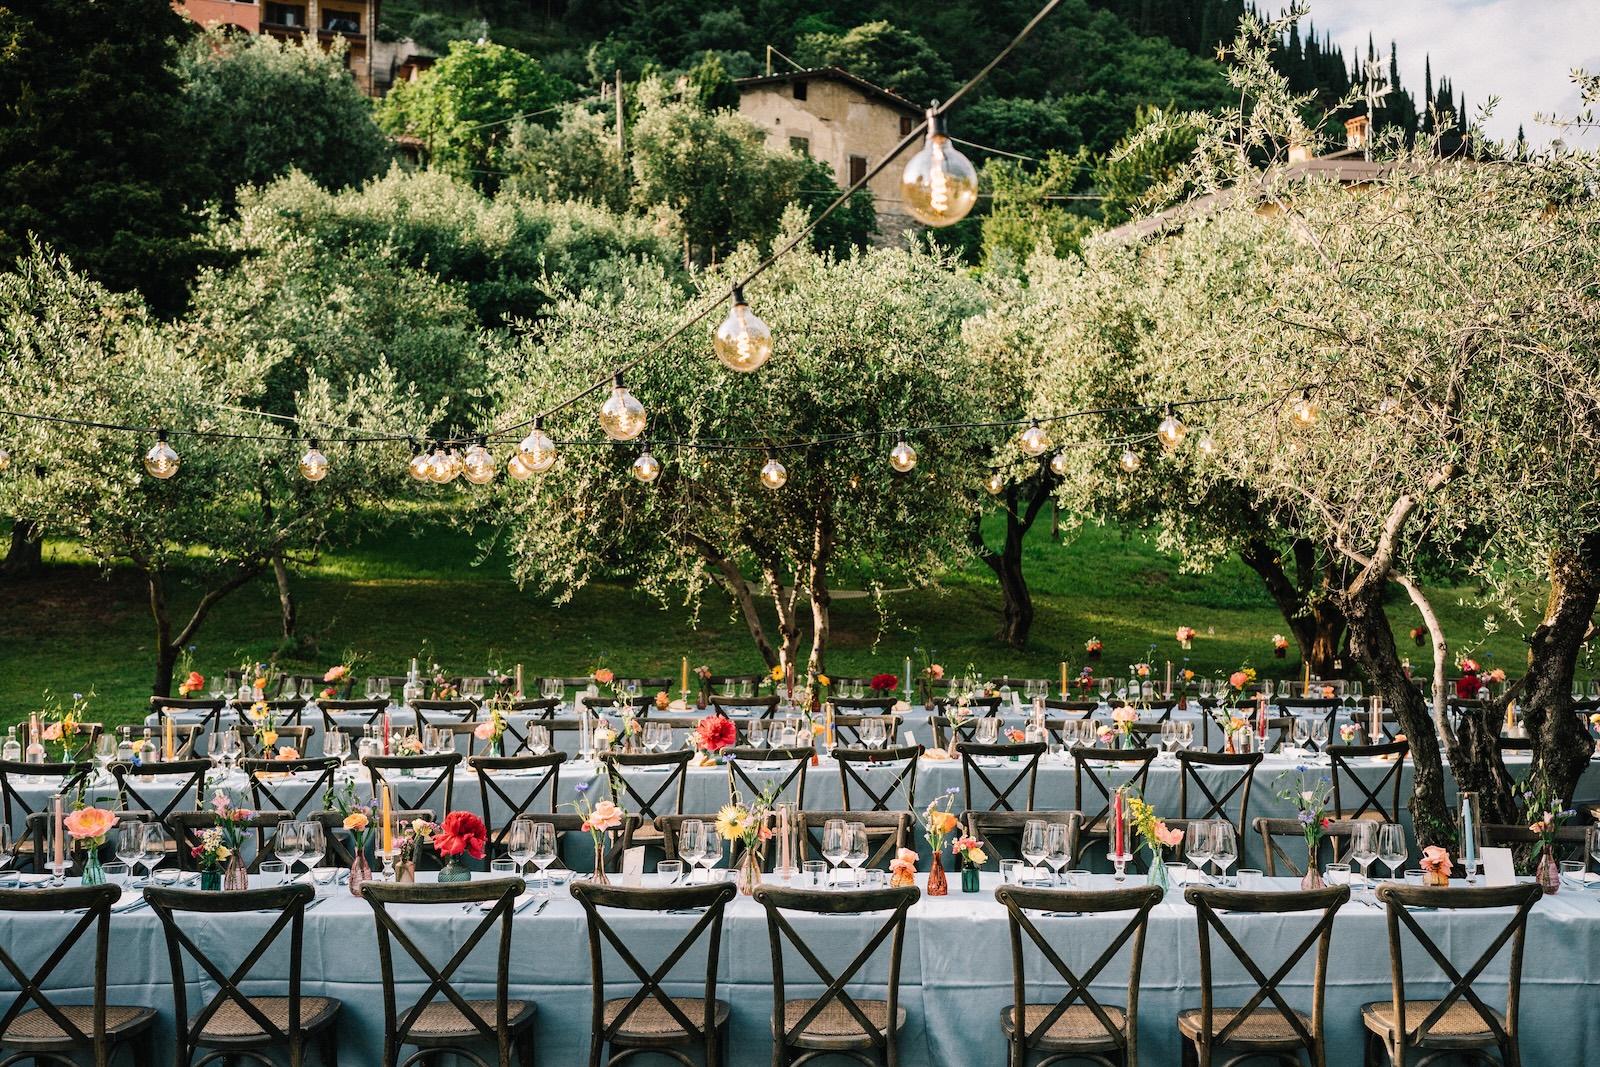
[(937, 820), (1122, 720), (409, 839), (883, 683), (61, 721), (1016, 736), (1093, 646), (1545, 813), (89, 826), (334, 677), (702, 676), (1436, 866), (491, 729), (438, 686), (195, 683), (1086, 680), (358, 815), (774, 677), (405, 743), (264, 724), (1419, 634), (257, 680), (1497, 676), (714, 733), (1185, 635), (749, 823), (903, 867), (1310, 799), (969, 850), (230, 818), (1139, 670), (1349, 733), (1469, 684), (663, 700), (599, 819), (460, 832), (1152, 829), (1280, 646), (211, 851)]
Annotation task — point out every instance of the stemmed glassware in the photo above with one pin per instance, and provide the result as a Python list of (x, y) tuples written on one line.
[(519, 844), (313, 843), (1224, 848), (128, 839), (538, 739), (857, 855), (152, 847), (1055, 849), (1105, 691), (1319, 735), (1169, 738), (835, 844), (286, 845), (711, 850), (987, 730), (105, 753), (1364, 846), (544, 850), (756, 734), (1392, 848), (1185, 734), (691, 843), (1198, 850), (1034, 848)]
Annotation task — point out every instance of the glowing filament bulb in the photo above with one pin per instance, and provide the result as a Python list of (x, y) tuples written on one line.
[(1034, 440), (419, 465), (743, 342), (646, 467), (537, 451), (1207, 445), (314, 465), (995, 483), (478, 466), (1129, 461), (161, 461), (1058, 464), (517, 468), (444, 466), (939, 186), (1305, 411), (773, 474), (1172, 431), (621, 416), (903, 457)]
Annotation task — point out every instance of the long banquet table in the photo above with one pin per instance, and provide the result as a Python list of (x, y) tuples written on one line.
[(956, 972)]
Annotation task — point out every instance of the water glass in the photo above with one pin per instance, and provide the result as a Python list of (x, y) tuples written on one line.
[(1077, 879), (668, 872), (1414, 876), (1337, 874), (1572, 873), (504, 868), (324, 878), (1011, 871), (116, 873), (273, 873), (1249, 878), (813, 874)]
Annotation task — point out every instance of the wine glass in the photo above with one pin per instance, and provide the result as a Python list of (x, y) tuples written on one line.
[(1266, 689), (1363, 845), (286, 845), (519, 844), (1319, 734), (1105, 690), (691, 842), (538, 739), (987, 730), (835, 843), (1392, 848), (1302, 733), (1033, 842), (105, 754), (1169, 738), (371, 688), (152, 847), (1199, 850), (128, 841), (1224, 848), (1055, 849), (313, 843), (290, 689), (711, 850), (1185, 735), (544, 850), (756, 735), (857, 855)]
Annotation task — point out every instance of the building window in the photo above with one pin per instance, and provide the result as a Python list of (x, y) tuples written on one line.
[(286, 15), (341, 21), (858, 168), (905, 125), (799, 90), (801, 145)]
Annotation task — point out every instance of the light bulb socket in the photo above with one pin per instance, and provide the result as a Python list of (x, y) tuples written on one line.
[(738, 296), (937, 127), (161, 437), (616, 380), (315, 444)]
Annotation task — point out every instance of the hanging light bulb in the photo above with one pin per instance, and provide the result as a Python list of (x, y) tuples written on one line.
[(995, 483), (444, 466), (161, 461), (1207, 445), (939, 185), (1129, 460), (537, 451), (621, 416), (774, 474), (517, 468), (1058, 464), (420, 465), (5, 459), (1172, 431), (478, 466), (1305, 411), (743, 342), (646, 467), (902, 457), (1034, 440), (1390, 407), (314, 465)]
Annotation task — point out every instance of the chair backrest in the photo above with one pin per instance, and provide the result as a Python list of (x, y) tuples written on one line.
[(501, 894), (574, 842), (1081, 709), (1000, 785), (1001, 831), (1349, 783), (443, 712), (1571, 842), (887, 833), (648, 784), (95, 904), (295, 737), (1215, 779), (859, 767), (1018, 902), (523, 797), (289, 902), (56, 778), (896, 902), (754, 707), (416, 781), (710, 900), (36, 839), (1095, 767), (267, 787), (1274, 832), (863, 705), (536, 707), (748, 773), (210, 711), (847, 728), (189, 774), (284, 713), (1208, 902), (371, 711), (1398, 899), (340, 842), (187, 826)]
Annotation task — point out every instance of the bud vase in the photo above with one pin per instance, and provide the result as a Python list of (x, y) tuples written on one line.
[(211, 878), (1313, 877), (360, 872), (235, 875), (749, 871), (405, 871), (969, 878), (901, 876), (938, 885), (454, 871), (93, 873), (1158, 871), (1548, 872), (599, 875)]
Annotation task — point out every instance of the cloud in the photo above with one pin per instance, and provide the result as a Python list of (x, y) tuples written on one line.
[(1522, 51)]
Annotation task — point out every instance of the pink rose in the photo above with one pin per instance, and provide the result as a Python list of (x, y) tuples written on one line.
[(336, 673), (605, 816), (1124, 714), (484, 731), (90, 824), (1238, 679), (935, 671), (52, 732), (1168, 836)]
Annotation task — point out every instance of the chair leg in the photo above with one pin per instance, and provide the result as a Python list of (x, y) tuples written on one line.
[(526, 1049), (329, 1047)]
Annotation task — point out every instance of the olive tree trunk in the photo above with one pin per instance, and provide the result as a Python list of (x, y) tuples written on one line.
[(1016, 601), (1309, 609), (26, 555)]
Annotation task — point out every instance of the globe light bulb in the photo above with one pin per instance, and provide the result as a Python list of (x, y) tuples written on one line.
[(420, 466), (902, 457), (1305, 411), (939, 185), (621, 416), (1034, 440), (537, 451), (1058, 464), (5, 459), (1172, 431), (995, 483), (1207, 445), (1129, 461), (314, 465), (517, 468), (743, 342), (646, 467), (478, 465), (161, 461), (773, 474), (444, 466)]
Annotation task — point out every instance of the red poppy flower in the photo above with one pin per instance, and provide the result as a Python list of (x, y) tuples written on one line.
[(460, 832), (882, 682)]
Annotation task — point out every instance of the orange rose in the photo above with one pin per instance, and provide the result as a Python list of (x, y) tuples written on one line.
[(944, 822), (605, 816), (356, 820), (604, 676), (90, 824)]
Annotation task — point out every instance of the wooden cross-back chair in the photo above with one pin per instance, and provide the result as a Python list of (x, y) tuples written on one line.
[(1162, 709), (436, 786), (1211, 798), (371, 711), (887, 833), (1078, 1024), (536, 707), (787, 782), (284, 713), (210, 711), (1458, 1023), (853, 1026), (648, 784), (190, 776), (864, 705), (1076, 709), (455, 1023), (1000, 792), (33, 1024), (39, 844), (65, 778), (340, 850), (443, 712), (1094, 802), (856, 769), (267, 787), (1276, 831), (295, 737), (1278, 1031), (650, 1020), (232, 1024), (546, 784), (1001, 831), (747, 707), (847, 729), (964, 730), (187, 826), (1347, 784)]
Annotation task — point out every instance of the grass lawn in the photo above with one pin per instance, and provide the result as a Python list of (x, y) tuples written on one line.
[(398, 595)]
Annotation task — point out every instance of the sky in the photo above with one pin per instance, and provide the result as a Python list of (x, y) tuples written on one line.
[(1519, 50)]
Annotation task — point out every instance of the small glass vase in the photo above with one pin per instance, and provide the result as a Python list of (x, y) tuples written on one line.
[(1158, 871), (938, 884), (235, 875), (93, 873), (901, 876), (454, 871), (748, 872), (360, 872), (1548, 871), (599, 876), (405, 871), (969, 878), (1312, 879), (211, 878)]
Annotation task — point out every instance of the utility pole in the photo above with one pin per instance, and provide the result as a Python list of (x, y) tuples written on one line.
[(620, 143)]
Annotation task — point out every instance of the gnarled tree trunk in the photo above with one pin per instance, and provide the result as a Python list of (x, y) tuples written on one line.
[(26, 554), (821, 598), (1309, 609), (1016, 602), (733, 581), (286, 608)]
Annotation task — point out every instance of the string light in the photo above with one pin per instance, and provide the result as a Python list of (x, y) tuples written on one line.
[(1172, 431), (1058, 464), (537, 451), (995, 483), (1207, 445), (444, 466), (646, 467), (773, 474), (902, 457), (621, 416), (478, 466), (1034, 440), (743, 342), (1305, 411), (420, 465), (939, 185), (161, 461), (518, 469), (314, 465), (1129, 461)]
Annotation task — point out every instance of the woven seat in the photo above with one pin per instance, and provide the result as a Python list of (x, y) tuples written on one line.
[(1077, 1028), (835, 1023), (1460, 1026), (444, 1022), (1264, 1029), (651, 1021), (231, 1023), (35, 1029)]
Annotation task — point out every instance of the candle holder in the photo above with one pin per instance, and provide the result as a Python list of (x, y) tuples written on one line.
[(1471, 830), (1118, 851)]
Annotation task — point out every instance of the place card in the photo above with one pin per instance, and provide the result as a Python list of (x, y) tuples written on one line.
[(633, 866), (1498, 868), (907, 739)]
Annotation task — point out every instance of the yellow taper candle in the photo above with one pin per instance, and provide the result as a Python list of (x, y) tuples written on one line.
[(684, 688), (1063, 679), (169, 753), (388, 823)]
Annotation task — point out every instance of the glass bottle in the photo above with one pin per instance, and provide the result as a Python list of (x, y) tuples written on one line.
[(35, 746), (13, 749), (146, 752), (412, 691), (125, 745)]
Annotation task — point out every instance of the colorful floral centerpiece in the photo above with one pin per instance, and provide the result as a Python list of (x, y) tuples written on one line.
[(1185, 635), (712, 734), (1310, 798), (1546, 814), (1094, 648), (930, 672), (194, 683), (599, 819), (61, 722), (234, 820), (492, 729), (883, 683), (264, 724), (461, 833), (408, 841), (209, 854), (88, 827), (1280, 646), (750, 824), (938, 823), (1436, 866), (1156, 835), (969, 850)]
